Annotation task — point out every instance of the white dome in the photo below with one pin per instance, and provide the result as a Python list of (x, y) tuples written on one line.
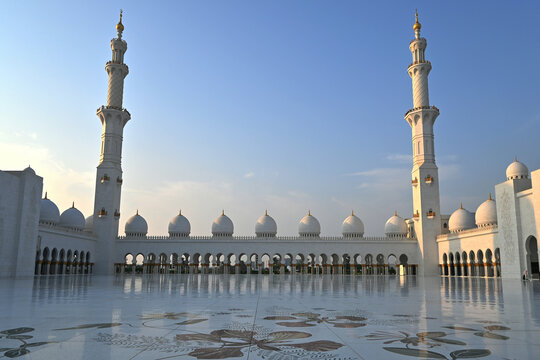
[(72, 218), (89, 224), (136, 226), (309, 226), (179, 226), (396, 226), (461, 219), (49, 212), (517, 170), (266, 226), (222, 226), (486, 214), (352, 226)]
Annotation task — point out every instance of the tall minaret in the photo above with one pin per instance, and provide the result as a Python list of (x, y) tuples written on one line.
[(109, 171), (425, 175)]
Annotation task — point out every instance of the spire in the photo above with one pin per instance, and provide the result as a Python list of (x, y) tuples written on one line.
[(515, 159), (45, 198), (266, 212), (73, 205), (490, 196), (223, 212), (309, 212), (461, 205), (352, 212), (395, 212), (180, 212), (120, 26), (137, 212), (417, 26)]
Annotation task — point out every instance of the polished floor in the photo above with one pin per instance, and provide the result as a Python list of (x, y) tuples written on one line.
[(268, 317)]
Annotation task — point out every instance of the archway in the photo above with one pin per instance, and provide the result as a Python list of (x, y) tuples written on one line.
[(369, 264), (404, 264), (458, 264), (480, 265), (45, 262), (489, 263), (380, 265), (445, 264), (392, 260), (464, 264), (497, 262), (452, 264), (532, 256), (472, 264)]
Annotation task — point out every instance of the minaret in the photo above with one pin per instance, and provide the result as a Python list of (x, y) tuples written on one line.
[(425, 175), (109, 171)]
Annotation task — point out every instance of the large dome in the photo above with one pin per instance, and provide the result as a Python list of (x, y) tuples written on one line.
[(72, 218), (89, 224), (136, 226), (486, 214), (266, 226), (461, 219), (179, 226), (309, 226), (352, 226), (517, 170), (49, 212), (222, 226), (395, 226)]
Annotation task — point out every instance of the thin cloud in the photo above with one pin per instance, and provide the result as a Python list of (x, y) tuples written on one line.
[(249, 175)]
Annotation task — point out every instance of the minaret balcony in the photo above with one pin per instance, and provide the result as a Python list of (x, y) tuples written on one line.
[(419, 62), (416, 215), (414, 182), (430, 214), (429, 179), (102, 213), (119, 180), (116, 214), (105, 178), (433, 107)]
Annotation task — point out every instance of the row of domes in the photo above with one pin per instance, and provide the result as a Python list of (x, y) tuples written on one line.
[(265, 226), (71, 218), (462, 219)]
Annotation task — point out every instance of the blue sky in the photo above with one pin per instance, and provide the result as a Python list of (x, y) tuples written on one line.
[(282, 105)]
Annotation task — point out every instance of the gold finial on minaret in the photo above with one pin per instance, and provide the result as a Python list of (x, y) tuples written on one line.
[(395, 212), (417, 26), (352, 212), (515, 159), (490, 196), (180, 212), (120, 26), (223, 212), (137, 212), (73, 204), (461, 205), (309, 212)]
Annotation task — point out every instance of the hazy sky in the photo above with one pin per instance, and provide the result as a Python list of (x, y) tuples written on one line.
[(278, 105)]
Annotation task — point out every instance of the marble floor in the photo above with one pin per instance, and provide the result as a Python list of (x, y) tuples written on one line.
[(268, 317)]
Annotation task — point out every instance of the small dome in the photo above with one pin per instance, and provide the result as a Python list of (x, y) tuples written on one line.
[(461, 219), (266, 226), (352, 226), (486, 214), (309, 226), (396, 226), (517, 170), (29, 170), (49, 213), (89, 224), (136, 226), (179, 226), (72, 218), (222, 226), (417, 25)]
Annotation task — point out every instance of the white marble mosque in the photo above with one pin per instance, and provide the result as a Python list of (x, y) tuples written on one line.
[(498, 239)]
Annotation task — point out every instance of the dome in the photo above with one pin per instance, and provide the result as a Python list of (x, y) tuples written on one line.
[(89, 224), (352, 226), (136, 226), (222, 226), (309, 226), (72, 218), (48, 212), (179, 226), (395, 226), (29, 170), (486, 214), (417, 25), (517, 170), (266, 226), (461, 219)]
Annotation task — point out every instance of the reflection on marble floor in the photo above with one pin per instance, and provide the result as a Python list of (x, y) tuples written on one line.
[(268, 317)]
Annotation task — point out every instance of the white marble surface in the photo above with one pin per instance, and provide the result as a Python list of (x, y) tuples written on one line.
[(268, 317)]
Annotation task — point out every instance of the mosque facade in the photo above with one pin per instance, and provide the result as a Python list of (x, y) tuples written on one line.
[(499, 239)]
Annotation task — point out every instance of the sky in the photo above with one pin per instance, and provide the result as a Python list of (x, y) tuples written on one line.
[(279, 105)]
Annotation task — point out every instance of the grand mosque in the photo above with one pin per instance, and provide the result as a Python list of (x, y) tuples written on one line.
[(498, 239)]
